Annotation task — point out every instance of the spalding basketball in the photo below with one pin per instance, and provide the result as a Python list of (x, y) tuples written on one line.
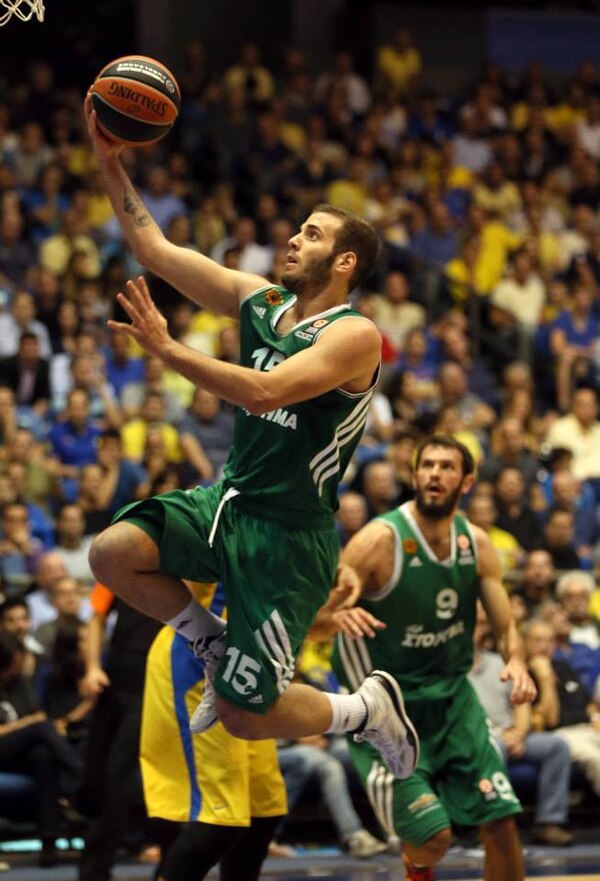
[(136, 100)]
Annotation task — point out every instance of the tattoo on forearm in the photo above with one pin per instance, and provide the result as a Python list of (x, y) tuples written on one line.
[(132, 204)]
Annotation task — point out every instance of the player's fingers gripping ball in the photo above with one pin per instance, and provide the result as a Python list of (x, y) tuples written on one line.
[(136, 100)]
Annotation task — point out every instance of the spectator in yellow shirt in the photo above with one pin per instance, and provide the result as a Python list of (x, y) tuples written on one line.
[(152, 418), (496, 194), (496, 243), (481, 511), (250, 75), (399, 64)]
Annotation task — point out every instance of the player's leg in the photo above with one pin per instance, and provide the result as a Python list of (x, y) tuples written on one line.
[(197, 848), (143, 554), (253, 843), (127, 560), (503, 851), (275, 581), (475, 787), (409, 809)]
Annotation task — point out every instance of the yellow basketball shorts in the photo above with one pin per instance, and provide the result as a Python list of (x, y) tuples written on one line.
[(212, 778)]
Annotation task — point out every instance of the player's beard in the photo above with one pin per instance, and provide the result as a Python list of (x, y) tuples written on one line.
[(437, 510), (315, 275)]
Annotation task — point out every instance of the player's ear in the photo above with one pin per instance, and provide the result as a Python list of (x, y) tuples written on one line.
[(347, 262), (467, 484)]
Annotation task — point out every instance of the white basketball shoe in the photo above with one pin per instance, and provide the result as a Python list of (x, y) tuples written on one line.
[(387, 726)]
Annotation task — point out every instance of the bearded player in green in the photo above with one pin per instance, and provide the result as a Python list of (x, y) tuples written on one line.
[(421, 570), (309, 365)]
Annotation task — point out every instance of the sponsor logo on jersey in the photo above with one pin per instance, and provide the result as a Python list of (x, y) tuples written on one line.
[(416, 638), (410, 546), (486, 788), (415, 563), (279, 417), (426, 800), (466, 557), (257, 699), (274, 297), (303, 336), (260, 311)]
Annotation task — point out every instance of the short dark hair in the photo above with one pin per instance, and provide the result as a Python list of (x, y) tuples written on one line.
[(28, 335), (357, 235), (111, 434), (553, 510), (449, 443), (13, 603)]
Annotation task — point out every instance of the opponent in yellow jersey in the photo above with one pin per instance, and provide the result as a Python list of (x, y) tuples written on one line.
[(231, 789)]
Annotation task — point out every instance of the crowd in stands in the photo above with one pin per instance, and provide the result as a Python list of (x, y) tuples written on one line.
[(487, 297)]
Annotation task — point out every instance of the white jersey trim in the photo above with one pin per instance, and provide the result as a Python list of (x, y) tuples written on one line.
[(449, 561), (327, 461), (388, 587), (355, 659), (266, 287), (469, 527), (325, 314)]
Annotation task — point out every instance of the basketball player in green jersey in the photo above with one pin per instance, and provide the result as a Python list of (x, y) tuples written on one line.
[(309, 364), (421, 570)]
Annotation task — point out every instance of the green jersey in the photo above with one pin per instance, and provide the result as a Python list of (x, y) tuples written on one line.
[(287, 463), (429, 608)]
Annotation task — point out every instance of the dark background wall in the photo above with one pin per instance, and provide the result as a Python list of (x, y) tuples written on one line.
[(455, 40)]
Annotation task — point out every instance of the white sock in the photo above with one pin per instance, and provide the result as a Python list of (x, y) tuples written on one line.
[(195, 622), (349, 712)]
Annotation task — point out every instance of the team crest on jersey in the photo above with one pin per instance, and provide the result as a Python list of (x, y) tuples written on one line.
[(410, 546), (463, 542), (274, 297)]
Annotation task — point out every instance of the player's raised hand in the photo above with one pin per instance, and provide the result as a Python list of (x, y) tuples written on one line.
[(347, 588), (523, 690), (148, 326), (104, 148), (357, 622)]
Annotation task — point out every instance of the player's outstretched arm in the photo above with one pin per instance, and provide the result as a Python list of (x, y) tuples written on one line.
[(197, 277), (497, 607), (346, 357)]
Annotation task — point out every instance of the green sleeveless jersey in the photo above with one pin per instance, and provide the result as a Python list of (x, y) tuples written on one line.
[(429, 609), (287, 463)]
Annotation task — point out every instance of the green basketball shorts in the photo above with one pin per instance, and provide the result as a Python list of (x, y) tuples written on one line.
[(460, 776), (275, 577)]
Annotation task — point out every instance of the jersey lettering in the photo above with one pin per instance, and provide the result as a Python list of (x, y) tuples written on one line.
[(259, 356), (414, 638)]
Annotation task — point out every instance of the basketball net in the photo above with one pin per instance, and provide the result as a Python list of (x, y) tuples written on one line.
[(23, 9)]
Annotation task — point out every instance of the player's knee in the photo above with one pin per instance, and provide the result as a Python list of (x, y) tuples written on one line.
[(432, 850), (238, 722), (119, 550)]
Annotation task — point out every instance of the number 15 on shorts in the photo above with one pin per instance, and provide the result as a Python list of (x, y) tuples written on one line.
[(241, 671)]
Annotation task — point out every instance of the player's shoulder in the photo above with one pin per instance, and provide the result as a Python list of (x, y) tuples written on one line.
[(350, 326)]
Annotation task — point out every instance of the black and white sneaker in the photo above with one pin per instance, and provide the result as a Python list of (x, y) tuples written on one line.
[(209, 650), (387, 726)]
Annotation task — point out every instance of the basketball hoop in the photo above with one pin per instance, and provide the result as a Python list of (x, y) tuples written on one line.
[(23, 9)]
